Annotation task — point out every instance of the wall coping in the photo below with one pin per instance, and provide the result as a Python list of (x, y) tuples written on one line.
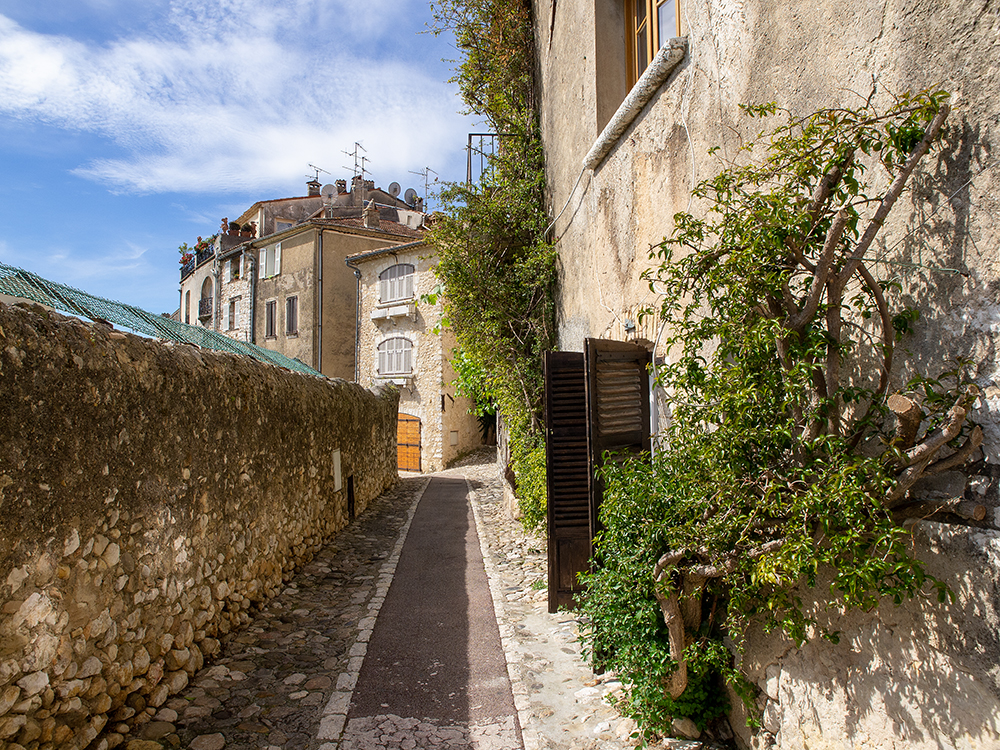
[(663, 64)]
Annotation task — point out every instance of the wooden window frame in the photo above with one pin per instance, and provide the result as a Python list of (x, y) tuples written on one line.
[(650, 25), (271, 319), (292, 316)]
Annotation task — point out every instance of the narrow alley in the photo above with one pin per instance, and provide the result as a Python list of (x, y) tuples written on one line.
[(423, 624)]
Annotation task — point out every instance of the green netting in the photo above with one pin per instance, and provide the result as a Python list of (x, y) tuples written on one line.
[(17, 282)]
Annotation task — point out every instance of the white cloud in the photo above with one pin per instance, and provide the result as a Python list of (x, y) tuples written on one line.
[(234, 94)]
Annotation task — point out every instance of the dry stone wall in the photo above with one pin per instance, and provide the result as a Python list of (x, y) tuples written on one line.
[(149, 495)]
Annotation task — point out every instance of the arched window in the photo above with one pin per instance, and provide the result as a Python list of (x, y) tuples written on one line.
[(395, 357), (205, 306), (396, 283)]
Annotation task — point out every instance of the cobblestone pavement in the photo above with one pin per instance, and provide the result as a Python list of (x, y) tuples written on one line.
[(285, 681)]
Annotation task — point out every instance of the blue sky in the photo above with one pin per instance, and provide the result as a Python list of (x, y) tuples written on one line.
[(130, 126)]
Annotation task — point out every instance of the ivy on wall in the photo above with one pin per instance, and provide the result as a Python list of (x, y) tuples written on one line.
[(497, 270)]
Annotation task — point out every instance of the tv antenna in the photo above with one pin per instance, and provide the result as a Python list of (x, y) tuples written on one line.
[(318, 170), (426, 173), (359, 160)]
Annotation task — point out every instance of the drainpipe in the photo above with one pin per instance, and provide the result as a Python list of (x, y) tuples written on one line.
[(217, 278), (357, 321), (252, 265), (319, 308)]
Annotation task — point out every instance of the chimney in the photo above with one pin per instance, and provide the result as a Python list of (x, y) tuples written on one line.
[(370, 215), (341, 186), (314, 186)]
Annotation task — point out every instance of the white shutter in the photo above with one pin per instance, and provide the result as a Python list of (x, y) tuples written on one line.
[(227, 275), (277, 259), (236, 314), (261, 264), (229, 319), (406, 357), (408, 286), (243, 259)]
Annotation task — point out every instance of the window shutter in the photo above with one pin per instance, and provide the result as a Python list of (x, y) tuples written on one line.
[(407, 356), (227, 274), (236, 314), (567, 475), (408, 285), (618, 406), (243, 260), (261, 263), (277, 259), (228, 322)]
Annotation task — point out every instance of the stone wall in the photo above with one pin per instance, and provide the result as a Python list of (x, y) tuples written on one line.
[(149, 495)]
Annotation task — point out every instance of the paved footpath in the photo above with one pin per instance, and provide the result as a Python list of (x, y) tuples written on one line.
[(423, 624)]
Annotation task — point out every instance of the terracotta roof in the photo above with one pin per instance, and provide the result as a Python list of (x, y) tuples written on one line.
[(384, 250), (384, 225)]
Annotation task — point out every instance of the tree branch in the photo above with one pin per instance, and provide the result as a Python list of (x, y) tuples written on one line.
[(894, 191)]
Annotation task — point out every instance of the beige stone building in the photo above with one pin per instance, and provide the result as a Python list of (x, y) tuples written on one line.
[(634, 93), (397, 343), (275, 277)]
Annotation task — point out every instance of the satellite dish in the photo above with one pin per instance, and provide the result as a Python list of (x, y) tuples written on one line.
[(394, 189), (328, 191), (410, 196)]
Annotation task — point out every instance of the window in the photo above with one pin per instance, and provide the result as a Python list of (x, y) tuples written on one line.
[(280, 225), (233, 316), (395, 357), (292, 315), (270, 319), (270, 261), (396, 283), (234, 267), (650, 24), (187, 307)]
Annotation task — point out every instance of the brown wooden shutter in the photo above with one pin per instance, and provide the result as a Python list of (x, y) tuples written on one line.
[(567, 473), (618, 406)]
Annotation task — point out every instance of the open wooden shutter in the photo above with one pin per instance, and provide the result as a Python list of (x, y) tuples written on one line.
[(618, 406), (566, 458)]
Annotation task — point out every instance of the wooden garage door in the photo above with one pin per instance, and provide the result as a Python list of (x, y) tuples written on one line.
[(408, 443)]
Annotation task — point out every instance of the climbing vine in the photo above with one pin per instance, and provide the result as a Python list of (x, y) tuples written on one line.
[(497, 270), (786, 458)]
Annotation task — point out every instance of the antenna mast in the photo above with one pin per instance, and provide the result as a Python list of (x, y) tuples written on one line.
[(318, 170), (426, 173)]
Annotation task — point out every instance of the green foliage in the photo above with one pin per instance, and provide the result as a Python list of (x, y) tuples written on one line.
[(776, 468), (497, 270)]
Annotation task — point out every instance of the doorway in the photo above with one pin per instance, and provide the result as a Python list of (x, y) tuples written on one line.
[(408, 443)]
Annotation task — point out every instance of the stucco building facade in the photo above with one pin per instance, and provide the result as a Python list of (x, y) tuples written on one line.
[(275, 277), (398, 343), (624, 147)]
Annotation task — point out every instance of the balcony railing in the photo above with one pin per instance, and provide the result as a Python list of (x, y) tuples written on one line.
[(205, 307), (200, 258), (481, 149)]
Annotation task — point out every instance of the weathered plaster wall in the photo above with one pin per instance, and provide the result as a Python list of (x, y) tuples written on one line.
[(340, 295), (296, 279), (806, 55), (149, 494), (921, 676), (432, 376)]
